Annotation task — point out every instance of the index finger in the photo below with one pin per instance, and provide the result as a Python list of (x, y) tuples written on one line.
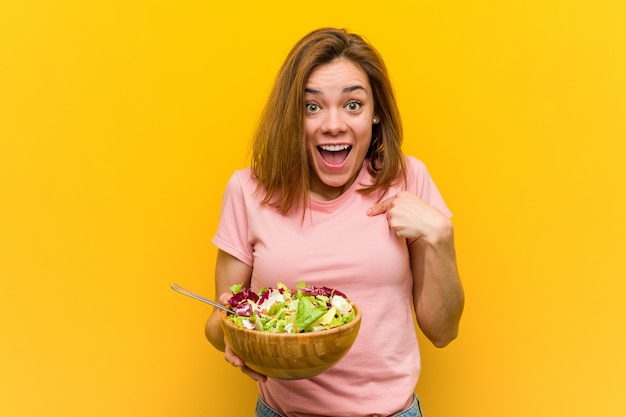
[(380, 207), (231, 357)]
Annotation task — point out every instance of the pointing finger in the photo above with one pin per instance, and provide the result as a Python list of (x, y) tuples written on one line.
[(379, 208)]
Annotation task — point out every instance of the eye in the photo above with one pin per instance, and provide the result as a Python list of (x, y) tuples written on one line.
[(354, 105), (312, 108)]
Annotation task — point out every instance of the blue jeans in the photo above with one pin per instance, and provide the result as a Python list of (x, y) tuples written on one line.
[(264, 410)]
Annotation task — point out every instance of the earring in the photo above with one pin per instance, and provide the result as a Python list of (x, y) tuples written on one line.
[(375, 120)]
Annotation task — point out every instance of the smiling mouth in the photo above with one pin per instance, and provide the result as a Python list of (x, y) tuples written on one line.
[(334, 154)]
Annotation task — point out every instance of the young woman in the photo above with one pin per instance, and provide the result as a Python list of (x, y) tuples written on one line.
[(331, 200)]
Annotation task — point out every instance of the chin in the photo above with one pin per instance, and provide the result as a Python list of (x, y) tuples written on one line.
[(335, 182)]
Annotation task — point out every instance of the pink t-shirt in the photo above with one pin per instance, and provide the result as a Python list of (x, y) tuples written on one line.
[(337, 246)]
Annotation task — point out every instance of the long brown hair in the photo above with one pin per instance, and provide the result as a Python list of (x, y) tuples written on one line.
[(279, 158)]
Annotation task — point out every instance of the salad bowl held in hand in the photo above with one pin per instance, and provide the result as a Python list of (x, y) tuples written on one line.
[(291, 355), (290, 334)]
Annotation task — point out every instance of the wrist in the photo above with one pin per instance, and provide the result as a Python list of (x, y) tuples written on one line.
[(440, 233)]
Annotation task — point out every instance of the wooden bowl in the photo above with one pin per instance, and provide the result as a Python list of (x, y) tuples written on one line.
[(291, 355)]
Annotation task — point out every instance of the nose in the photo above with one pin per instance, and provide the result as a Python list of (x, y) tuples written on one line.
[(334, 122)]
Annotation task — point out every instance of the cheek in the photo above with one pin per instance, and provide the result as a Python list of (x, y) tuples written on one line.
[(365, 134)]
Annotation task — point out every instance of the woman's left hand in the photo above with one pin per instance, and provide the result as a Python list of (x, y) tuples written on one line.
[(411, 217)]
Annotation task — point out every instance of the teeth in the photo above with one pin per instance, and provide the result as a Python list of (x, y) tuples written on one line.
[(334, 148)]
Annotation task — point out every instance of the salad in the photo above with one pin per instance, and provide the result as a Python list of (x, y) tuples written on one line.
[(282, 310)]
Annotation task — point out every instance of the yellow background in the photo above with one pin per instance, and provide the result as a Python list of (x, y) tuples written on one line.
[(120, 122)]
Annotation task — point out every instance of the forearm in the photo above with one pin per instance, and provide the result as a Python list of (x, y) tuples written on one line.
[(213, 331), (228, 271), (438, 292)]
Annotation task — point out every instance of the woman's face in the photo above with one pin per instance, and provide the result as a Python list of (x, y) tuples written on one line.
[(338, 126)]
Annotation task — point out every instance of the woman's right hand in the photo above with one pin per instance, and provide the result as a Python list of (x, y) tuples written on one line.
[(232, 358), (236, 361)]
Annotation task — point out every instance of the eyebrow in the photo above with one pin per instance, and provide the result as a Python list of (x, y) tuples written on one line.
[(345, 90)]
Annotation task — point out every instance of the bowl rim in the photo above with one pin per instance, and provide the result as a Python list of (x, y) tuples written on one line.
[(338, 329)]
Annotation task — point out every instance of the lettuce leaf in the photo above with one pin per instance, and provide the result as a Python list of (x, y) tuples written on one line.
[(307, 313)]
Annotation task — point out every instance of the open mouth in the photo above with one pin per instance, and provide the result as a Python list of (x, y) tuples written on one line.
[(334, 154)]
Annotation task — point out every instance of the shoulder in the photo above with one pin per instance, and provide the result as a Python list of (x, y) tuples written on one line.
[(240, 187), (414, 164), (416, 170), (243, 175), (242, 179)]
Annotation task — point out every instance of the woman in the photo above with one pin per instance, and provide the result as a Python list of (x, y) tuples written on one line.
[(331, 200)]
